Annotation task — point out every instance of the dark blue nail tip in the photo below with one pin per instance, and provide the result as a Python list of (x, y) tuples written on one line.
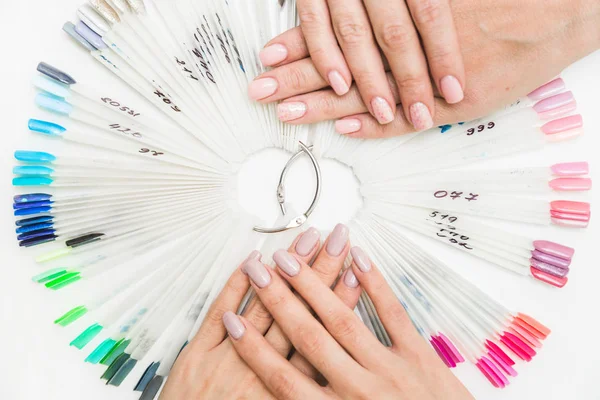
[(32, 211), (148, 375), (55, 73), (34, 227), (34, 220), (36, 234), (38, 241), (31, 198), (36, 204)]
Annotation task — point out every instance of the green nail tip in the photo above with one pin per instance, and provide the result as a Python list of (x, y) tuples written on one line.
[(114, 366), (86, 336), (101, 351), (122, 373), (71, 316), (63, 281), (49, 275), (116, 351)]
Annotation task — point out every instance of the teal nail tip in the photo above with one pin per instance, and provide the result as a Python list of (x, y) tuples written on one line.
[(49, 275), (86, 336), (115, 366), (149, 374), (119, 349), (30, 170), (32, 181), (122, 373), (100, 352), (34, 156), (53, 103), (51, 86), (45, 127), (55, 73)]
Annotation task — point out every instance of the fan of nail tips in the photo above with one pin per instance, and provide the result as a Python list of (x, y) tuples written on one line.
[(134, 212)]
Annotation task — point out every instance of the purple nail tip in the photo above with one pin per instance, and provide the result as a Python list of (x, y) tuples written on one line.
[(548, 259), (554, 249), (549, 268), (92, 37)]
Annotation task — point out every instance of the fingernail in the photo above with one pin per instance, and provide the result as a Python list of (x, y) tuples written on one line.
[(255, 255), (307, 242), (346, 126), (234, 325), (338, 84), (286, 262), (350, 279), (262, 88), (382, 110), (362, 261), (420, 117), (452, 89), (337, 240), (258, 273), (273, 54), (291, 111)]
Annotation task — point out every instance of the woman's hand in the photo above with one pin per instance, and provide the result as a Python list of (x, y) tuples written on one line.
[(507, 54), (344, 39), (351, 359), (210, 368)]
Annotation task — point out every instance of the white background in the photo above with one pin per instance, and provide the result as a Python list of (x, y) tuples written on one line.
[(36, 362)]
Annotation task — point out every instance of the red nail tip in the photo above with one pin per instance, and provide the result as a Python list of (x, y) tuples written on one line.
[(570, 184), (503, 365), (494, 348), (456, 356), (562, 125), (571, 169), (440, 353), (549, 279), (524, 346), (571, 207), (515, 349), (554, 249), (525, 336), (534, 324), (499, 375)]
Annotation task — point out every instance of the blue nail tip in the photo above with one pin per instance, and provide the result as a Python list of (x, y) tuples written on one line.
[(37, 241), (70, 29), (34, 220), (32, 211), (52, 103), (35, 156), (32, 181), (34, 227), (30, 170), (55, 73), (147, 377), (35, 204), (31, 197), (36, 234)]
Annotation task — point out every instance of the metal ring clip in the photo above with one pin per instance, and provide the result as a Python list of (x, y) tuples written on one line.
[(301, 219)]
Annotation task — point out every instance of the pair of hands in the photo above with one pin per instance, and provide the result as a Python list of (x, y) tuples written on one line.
[(509, 49), (254, 362)]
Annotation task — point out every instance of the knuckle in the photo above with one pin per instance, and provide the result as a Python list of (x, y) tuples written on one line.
[(309, 343), (442, 57), (397, 37), (215, 316), (259, 315), (427, 12), (275, 301), (343, 326), (412, 84), (282, 384), (351, 31), (326, 105), (295, 79), (309, 17)]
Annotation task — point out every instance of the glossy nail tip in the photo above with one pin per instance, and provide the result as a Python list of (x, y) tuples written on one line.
[(571, 184), (556, 261), (287, 263), (571, 207), (442, 354), (362, 261), (92, 37), (338, 240), (382, 111), (338, 83), (549, 279), (453, 351), (554, 102), (534, 324), (273, 54), (234, 325), (69, 28), (451, 89), (55, 73), (503, 365), (551, 88), (554, 249), (258, 273), (54, 104), (307, 242), (262, 88), (35, 156), (549, 268), (493, 347), (347, 126), (420, 117), (562, 125), (569, 170), (350, 279)]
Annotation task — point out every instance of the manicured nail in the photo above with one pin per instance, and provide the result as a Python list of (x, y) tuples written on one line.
[(255, 255), (273, 54), (308, 241), (346, 126), (258, 273), (452, 89), (262, 88), (337, 240), (338, 84), (291, 111), (420, 117), (286, 262), (362, 261), (350, 279), (234, 325), (382, 110)]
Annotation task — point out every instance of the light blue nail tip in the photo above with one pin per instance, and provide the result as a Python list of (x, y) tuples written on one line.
[(51, 86), (34, 156), (70, 29), (52, 103), (32, 181), (55, 73), (32, 170), (45, 127)]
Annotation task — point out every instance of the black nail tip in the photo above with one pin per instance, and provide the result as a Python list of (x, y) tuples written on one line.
[(55, 73), (83, 240), (153, 388)]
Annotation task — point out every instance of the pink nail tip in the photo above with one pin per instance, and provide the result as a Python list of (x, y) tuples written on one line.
[(489, 374), (273, 54), (503, 365), (554, 102), (493, 347), (571, 207), (571, 184), (549, 89), (492, 367), (554, 249), (562, 125), (580, 218), (523, 355), (525, 336), (531, 352), (456, 356), (547, 258), (442, 353), (549, 279), (570, 223), (572, 169), (291, 111), (549, 268), (558, 112)]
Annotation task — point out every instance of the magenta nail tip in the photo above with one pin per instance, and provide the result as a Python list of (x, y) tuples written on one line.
[(442, 354), (492, 367), (499, 352), (546, 258), (503, 365), (451, 348)]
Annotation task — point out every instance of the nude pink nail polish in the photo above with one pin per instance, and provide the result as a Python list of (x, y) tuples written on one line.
[(549, 89), (361, 259), (347, 126), (234, 325), (420, 117), (350, 279), (291, 111), (563, 124), (338, 83), (307, 242), (382, 110), (554, 249), (451, 89), (273, 54), (258, 273), (570, 169), (553, 102), (571, 184), (262, 88)]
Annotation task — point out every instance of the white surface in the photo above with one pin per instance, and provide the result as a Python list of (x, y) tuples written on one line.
[(37, 362)]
